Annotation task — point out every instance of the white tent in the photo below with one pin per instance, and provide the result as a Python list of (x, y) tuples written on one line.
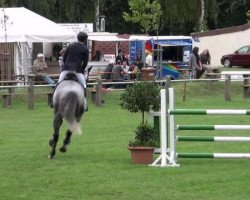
[(24, 27)]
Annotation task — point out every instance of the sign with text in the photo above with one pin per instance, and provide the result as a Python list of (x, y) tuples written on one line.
[(78, 27), (108, 57)]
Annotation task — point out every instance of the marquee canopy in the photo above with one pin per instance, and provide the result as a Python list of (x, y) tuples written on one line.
[(24, 25)]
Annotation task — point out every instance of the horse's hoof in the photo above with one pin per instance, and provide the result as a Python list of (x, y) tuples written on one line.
[(63, 149), (50, 156), (51, 142)]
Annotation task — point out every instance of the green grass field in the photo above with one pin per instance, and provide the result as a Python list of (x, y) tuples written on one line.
[(97, 164)]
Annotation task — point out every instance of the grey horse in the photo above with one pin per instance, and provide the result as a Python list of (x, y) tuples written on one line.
[(69, 103)]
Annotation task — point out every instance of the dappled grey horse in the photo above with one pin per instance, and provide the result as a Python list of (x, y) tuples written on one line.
[(69, 103)]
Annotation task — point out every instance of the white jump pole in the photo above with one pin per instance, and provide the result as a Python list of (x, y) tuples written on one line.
[(164, 158), (171, 126), (163, 130)]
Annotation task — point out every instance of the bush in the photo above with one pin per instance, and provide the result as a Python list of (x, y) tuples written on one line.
[(145, 135), (142, 97)]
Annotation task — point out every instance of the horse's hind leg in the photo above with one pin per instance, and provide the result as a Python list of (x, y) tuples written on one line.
[(66, 141), (54, 139)]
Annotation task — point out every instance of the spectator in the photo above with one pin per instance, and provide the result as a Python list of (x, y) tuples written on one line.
[(134, 70), (117, 73), (125, 67), (149, 59), (138, 61), (194, 62), (126, 57), (205, 59), (40, 67), (205, 63), (60, 61), (126, 70), (108, 70), (120, 57), (97, 56)]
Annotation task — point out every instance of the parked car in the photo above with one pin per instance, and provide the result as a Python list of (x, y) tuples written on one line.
[(241, 57)]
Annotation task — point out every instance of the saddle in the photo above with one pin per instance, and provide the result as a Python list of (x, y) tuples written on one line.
[(71, 77)]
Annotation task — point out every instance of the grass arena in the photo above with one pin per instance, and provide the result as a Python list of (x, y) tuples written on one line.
[(98, 164)]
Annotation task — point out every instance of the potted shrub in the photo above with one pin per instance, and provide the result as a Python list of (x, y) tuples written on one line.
[(142, 97)]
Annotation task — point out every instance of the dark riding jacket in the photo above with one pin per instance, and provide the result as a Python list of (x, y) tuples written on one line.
[(76, 57)]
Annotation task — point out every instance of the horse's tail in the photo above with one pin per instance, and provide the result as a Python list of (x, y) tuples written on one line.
[(69, 106)]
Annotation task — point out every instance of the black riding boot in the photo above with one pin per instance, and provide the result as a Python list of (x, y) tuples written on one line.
[(85, 95)]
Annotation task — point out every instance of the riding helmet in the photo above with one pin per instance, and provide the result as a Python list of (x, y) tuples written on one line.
[(82, 36)]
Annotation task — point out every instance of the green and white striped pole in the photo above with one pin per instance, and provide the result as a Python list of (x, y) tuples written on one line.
[(207, 112), (213, 155), (213, 139), (213, 127)]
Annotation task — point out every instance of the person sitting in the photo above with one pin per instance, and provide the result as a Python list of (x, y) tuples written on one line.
[(194, 62), (126, 70), (205, 59), (134, 71), (117, 74), (40, 67), (108, 69)]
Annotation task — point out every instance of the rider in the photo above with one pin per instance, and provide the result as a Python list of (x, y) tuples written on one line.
[(76, 59)]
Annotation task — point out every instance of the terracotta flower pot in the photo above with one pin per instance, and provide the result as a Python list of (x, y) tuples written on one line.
[(142, 155)]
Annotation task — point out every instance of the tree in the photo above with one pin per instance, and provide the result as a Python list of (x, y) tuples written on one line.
[(114, 20), (2, 3), (184, 16), (248, 16), (201, 21), (141, 97), (180, 16), (233, 13), (146, 14)]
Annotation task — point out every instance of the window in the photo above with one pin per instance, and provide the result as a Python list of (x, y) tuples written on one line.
[(243, 50), (172, 53)]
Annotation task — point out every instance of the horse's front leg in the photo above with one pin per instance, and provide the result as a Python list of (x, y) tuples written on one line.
[(53, 141), (66, 141)]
